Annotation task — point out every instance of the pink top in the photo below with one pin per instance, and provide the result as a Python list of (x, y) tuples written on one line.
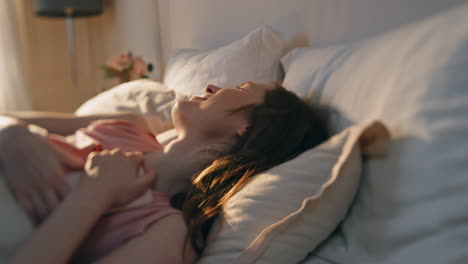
[(116, 226), (115, 229)]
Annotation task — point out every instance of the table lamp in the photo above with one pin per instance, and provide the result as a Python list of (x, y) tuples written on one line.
[(69, 9)]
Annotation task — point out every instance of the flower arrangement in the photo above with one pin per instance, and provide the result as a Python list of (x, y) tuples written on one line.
[(127, 67)]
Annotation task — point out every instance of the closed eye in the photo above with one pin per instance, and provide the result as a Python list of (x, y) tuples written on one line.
[(242, 85)]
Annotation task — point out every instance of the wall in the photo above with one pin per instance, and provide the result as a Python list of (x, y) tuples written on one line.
[(207, 24), (124, 25)]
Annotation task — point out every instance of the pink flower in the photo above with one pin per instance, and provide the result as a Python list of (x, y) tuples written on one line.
[(139, 69), (126, 67), (120, 62)]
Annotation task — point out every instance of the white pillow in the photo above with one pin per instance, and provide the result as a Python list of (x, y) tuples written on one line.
[(281, 215), (255, 57), (147, 97), (411, 207)]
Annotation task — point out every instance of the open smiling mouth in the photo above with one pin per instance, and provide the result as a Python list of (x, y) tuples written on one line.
[(200, 98)]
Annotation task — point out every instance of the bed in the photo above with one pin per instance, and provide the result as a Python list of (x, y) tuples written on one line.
[(401, 62), (404, 63), (409, 206)]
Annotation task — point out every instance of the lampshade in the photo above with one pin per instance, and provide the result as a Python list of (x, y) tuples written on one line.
[(62, 8)]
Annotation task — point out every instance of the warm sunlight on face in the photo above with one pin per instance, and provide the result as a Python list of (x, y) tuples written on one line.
[(212, 112)]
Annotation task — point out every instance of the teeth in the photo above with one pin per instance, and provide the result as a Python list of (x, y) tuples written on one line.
[(203, 98)]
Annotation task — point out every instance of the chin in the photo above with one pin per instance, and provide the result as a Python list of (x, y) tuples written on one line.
[(186, 107), (183, 113)]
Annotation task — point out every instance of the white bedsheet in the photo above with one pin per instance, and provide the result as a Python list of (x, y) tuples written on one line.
[(15, 226)]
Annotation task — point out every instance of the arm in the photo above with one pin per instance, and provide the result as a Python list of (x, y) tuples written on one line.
[(112, 181), (32, 169), (38, 185), (60, 235), (67, 123), (162, 242)]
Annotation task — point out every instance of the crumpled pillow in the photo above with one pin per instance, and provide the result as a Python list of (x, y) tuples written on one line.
[(281, 215), (254, 57)]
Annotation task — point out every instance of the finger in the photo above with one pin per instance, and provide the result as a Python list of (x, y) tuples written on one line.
[(92, 158), (59, 184), (135, 156), (115, 151), (34, 218), (62, 190), (95, 154), (51, 199), (146, 165), (134, 153), (17, 189), (40, 208), (27, 206), (71, 161), (27, 203), (49, 176), (141, 184), (146, 180), (102, 152)]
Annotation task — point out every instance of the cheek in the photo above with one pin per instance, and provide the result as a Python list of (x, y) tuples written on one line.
[(191, 114), (213, 121), (208, 118)]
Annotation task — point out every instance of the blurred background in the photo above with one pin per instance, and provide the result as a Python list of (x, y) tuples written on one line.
[(35, 64), (36, 69)]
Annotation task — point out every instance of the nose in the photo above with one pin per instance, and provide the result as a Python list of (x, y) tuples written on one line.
[(212, 89)]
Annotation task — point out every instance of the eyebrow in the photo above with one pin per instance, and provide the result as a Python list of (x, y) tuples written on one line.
[(239, 86)]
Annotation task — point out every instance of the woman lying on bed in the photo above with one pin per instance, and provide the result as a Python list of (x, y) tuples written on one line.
[(224, 137)]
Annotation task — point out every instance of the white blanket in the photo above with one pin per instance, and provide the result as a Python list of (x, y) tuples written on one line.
[(15, 226)]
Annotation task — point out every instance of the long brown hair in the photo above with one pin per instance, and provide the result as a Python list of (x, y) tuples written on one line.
[(280, 129)]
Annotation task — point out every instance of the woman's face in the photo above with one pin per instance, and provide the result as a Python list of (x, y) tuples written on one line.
[(211, 114)]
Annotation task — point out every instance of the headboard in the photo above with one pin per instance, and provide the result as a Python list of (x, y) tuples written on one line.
[(208, 24)]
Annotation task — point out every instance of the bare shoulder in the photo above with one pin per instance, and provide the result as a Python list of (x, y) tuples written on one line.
[(174, 226), (162, 242)]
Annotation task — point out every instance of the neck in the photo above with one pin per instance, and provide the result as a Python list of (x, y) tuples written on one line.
[(178, 162)]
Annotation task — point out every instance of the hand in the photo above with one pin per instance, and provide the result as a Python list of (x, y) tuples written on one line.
[(33, 170), (114, 175)]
